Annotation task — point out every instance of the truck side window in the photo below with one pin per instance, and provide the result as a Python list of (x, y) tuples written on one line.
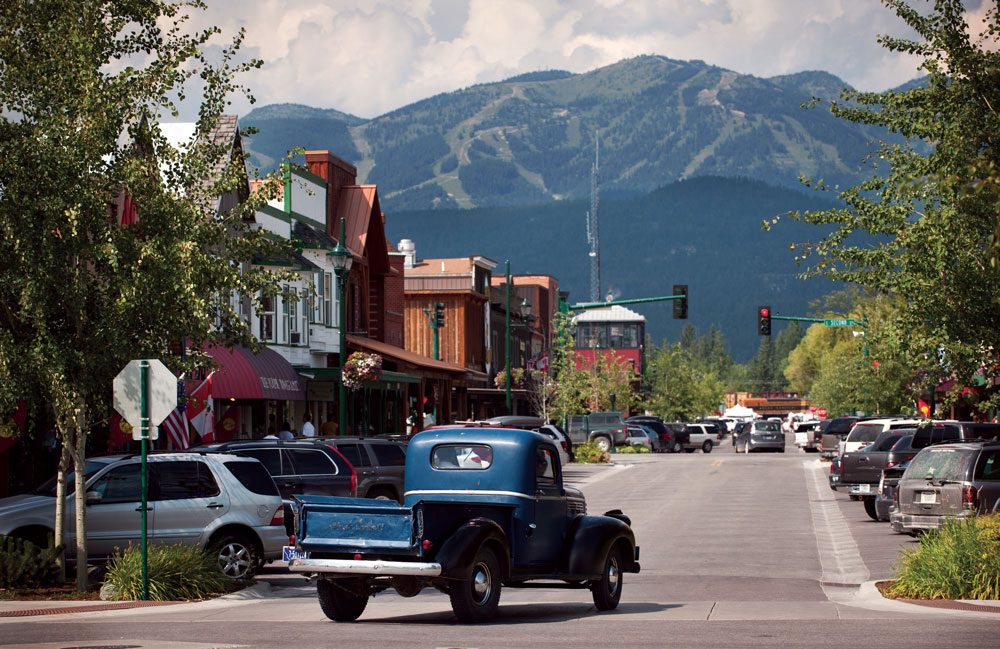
[(544, 466)]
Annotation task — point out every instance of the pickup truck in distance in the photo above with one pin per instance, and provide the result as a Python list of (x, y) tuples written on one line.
[(483, 508), (861, 471)]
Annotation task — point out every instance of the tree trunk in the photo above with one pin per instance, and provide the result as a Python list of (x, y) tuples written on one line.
[(78, 455), (60, 522)]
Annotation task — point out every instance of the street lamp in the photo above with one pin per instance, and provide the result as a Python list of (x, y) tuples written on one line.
[(342, 259), (524, 309)]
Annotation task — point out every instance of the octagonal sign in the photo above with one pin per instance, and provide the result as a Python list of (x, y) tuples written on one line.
[(161, 393)]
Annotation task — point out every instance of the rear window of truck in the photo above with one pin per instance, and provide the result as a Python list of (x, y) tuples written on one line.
[(451, 457)]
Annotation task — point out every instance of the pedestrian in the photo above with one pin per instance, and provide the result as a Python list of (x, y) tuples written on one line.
[(286, 433), (331, 428), (270, 433), (308, 430)]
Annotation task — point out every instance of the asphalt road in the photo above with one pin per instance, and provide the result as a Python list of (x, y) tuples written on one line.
[(736, 551)]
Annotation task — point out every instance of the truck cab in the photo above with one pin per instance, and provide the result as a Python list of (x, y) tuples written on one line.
[(483, 508)]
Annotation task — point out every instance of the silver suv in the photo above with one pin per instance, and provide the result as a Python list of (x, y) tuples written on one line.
[(224, 503)]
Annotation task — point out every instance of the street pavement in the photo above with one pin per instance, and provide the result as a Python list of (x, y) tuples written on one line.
[(736, 551)]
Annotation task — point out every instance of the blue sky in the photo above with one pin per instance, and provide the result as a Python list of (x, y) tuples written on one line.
[(370, 57)]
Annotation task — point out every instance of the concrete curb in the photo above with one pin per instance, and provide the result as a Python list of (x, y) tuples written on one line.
[(868, 596)]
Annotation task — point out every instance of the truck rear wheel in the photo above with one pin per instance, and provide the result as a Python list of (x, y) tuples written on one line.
[(607, 591), (477, 598), (870, 508), (338, 604), (707, 446)]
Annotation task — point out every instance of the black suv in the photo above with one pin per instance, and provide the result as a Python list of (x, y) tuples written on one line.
[(380, 463), (953, 431), (673, 437), (298, 467)]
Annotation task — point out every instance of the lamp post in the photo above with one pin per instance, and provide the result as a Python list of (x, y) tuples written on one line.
[(341, 259), (524, 309)]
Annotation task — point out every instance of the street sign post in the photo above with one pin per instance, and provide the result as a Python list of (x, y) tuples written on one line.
[(840, 322), (145, 392)]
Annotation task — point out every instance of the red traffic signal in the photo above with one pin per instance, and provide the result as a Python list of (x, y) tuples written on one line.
[(764, 312), (764, 321)]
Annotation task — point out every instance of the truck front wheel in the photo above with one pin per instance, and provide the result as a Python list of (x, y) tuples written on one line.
[(338, 604), (477, 598), (607, 590)]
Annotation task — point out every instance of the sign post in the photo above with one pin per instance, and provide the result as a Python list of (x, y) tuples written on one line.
[(145, 392)]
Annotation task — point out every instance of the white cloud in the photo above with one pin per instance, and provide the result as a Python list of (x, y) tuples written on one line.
[(370, 57)]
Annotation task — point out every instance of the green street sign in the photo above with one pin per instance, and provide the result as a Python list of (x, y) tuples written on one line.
[(840, 322)]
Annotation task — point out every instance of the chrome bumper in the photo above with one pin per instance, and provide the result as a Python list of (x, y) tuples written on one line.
[(377, 567)]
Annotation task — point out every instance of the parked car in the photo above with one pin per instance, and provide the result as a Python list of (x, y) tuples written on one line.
[(762, 435), (953, 431), (902, 451), (718, 425), (637, 437), (673, 436), (834, 476), (605, 429), (860, 471), (297, 467), (807, 435), (508, 520), (740, 427), (832, 431), (885, 499), (948, 481), (380, 464), (701, 436), (563, 445), (227, 504), (864, 432)]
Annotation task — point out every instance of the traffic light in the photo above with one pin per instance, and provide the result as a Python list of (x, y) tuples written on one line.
[(439, 314), (681, 305), (764, 321)]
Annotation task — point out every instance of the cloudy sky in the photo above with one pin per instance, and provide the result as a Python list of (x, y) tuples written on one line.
[(368, 57)]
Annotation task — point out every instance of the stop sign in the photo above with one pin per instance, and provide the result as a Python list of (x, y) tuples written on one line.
[(161, 394), (821, 412)]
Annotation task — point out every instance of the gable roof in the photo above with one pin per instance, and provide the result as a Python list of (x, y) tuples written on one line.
[(365, 231)]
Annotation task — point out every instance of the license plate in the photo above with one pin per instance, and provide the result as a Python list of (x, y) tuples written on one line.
[(862, 488), (928, 497), (290, 552)]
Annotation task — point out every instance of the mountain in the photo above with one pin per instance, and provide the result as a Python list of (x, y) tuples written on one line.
[(704, 232), (531, 138)]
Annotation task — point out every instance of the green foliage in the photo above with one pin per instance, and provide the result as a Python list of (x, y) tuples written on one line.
[(681, 386), (589, 453), (24, 565), (961, 560), (923, 228), (631, 449), (176, 572)]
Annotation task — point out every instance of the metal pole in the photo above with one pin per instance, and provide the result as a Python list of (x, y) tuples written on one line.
[(507, 337), (341, 287), (144, 432)]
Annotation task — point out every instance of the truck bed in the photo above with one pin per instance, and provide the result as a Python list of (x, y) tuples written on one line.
[(862, 469), (331, 524)]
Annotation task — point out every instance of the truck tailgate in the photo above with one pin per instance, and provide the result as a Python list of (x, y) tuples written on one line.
[(858, 468), (329, 524)]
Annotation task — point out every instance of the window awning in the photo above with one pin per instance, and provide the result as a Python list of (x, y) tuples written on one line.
[(245, 375)]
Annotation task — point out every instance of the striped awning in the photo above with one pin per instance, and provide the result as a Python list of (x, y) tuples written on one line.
[(245, 375)]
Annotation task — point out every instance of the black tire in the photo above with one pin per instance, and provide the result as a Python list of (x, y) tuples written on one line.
[(477, 597), (607, 590), (604, 443), (338, 604), (237, 554), (676, 448), (707, 446), (382, 493), (870, 509)]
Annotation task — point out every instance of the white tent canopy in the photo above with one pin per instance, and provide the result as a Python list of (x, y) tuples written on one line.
[(739, 412)]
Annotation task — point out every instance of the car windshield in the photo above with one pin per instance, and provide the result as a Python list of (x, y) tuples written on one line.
[(940, 464), (864, 433), (767, 426), (48, 488)]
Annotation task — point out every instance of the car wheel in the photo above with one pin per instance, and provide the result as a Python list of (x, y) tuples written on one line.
[(603, 443), (237, 556), (607, 591), (707, 446), (676, 448), (870, 509), (477, 598), (339, 604)]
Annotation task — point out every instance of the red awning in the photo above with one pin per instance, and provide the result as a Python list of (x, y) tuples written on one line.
[(245, 375)]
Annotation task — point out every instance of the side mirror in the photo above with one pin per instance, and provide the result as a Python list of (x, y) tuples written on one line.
[(94, 497)]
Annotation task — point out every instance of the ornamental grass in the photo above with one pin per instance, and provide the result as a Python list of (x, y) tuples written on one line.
[(176, 573)]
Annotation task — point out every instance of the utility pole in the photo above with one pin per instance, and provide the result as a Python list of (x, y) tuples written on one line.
[(593, 226)]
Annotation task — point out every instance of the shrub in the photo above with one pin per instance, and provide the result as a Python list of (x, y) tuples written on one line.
[(176, 572), (25, 565), (961, 560), (589, 453), (634, 448)]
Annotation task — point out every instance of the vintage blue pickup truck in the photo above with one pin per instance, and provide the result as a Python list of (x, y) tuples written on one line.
[(484, 508)]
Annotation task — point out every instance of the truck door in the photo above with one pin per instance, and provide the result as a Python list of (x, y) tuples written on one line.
[(545, 542)]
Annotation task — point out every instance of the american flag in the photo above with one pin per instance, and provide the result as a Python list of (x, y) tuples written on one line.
[(176, 425)]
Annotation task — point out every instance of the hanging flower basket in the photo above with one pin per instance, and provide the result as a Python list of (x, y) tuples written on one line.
[(361, 368)]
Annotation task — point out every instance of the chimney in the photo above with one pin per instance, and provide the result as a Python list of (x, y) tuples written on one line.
[(409, 250), (337, 173)]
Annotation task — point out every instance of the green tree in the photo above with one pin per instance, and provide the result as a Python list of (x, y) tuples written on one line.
[(680, 390), (930, 209), (83, 87)]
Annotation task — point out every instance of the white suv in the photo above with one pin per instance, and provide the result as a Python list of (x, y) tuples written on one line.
[(864, 432), (226, 504)]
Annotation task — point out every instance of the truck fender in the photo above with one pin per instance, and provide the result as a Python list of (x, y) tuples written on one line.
[(456, 554), (590, 539)]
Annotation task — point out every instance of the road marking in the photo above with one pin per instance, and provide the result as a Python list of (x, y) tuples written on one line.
[(838, 553)]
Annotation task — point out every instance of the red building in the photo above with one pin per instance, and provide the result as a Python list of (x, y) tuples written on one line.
[(610, 331)]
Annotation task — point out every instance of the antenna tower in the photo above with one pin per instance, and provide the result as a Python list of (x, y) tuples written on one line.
[(593, 229)]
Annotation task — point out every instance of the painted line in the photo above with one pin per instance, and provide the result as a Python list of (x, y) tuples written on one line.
[(839, 556)]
